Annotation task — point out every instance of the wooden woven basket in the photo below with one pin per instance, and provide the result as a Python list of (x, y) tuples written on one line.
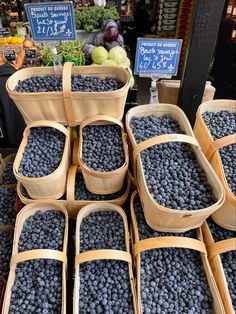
[(3, 164), (140, 246), (163, 218), (82, 105), (103, 182), (37, 106), (214, 250), (101, 254), (20, 192), (226, 215), (52, 186), (74, 206), (17, 257)]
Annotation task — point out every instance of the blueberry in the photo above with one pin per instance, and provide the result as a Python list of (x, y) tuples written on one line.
[(7, 206)]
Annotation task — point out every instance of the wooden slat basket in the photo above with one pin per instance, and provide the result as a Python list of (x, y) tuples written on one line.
[(17, 257), (37, 106), (226, 215), (163, 218), (74, 206), (214, 250), (103, 182), (101, 254), (82, 105), (139, 246), (27, 200), (3, 164), (52, 186)]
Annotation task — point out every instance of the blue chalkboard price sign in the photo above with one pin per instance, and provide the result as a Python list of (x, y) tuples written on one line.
[(157, 57), (51, 21)]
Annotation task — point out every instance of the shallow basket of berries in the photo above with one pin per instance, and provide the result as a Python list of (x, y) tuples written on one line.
[(7, 178), (104, 280), (78, 195), (215, 129), (90, 91), (38, 95), (37, 278), (173, 274), (177, 185), (221, 247), (42, 160), (103, 154)]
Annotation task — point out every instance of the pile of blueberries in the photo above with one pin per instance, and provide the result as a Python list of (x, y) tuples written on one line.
[(36, 84), (104, 285), (7, 206), (94, 84), (8, 175), (43, 152), (38, 283), (172, 173), (81, 192), (50, 83), (103, 147), (6, 240), (2, 285), (221, 124), (228, 259), (172, 279)]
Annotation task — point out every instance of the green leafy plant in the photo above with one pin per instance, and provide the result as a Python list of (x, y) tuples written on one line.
[(90, 18)]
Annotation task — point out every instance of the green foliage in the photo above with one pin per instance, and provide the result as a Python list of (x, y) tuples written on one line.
[(90, 18), (69, 51)]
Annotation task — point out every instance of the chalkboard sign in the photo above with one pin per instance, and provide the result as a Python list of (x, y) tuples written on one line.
[(10, 54), (157, 57), (4, 32), (51, 21), (30, 53)]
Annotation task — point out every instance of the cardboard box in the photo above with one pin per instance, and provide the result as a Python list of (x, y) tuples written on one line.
[(168, 91)]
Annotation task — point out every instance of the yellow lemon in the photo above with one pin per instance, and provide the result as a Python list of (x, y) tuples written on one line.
[(2, 41), (19, 40), (9, 39), (14, 40)]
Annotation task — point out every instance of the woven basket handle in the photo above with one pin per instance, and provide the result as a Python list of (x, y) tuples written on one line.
[(67, 94), (221, 247), (169, 242), (71, 183), (95, 255), (46, 123), (101, 117), (38, 254), (220, 143)]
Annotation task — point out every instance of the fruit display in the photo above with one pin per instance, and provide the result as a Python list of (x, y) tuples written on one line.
[(82, 193), (221, 124), (6, 240), (90, 18), (11, 40), (8, 175), (104, 285), (172, 280), (43, 152), (172, 173), (37, 84), (7, 206), (38, 283), (103, 149), (228, 259)]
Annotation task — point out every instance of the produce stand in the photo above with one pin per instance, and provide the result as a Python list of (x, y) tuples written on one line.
[(84, 151)]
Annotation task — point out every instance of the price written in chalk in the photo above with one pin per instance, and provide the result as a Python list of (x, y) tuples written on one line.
[(10, 54), (157, 56), (51, 21), (30, 53)]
